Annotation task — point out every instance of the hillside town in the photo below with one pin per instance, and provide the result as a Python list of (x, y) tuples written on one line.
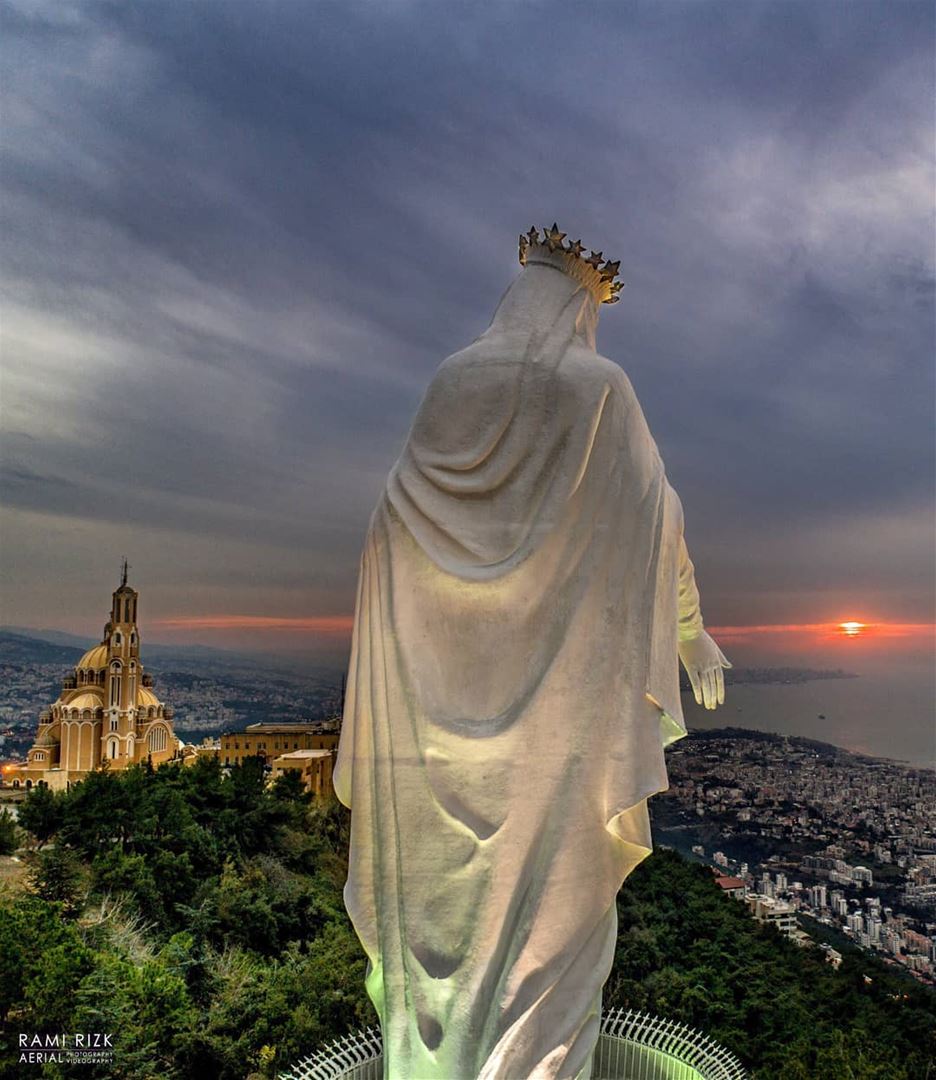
[(798, 827)]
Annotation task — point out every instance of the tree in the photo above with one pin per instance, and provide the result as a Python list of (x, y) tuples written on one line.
[(9, 833), (41, 813), (288, 786), (41, 956), (57, 874), (146, 1006)]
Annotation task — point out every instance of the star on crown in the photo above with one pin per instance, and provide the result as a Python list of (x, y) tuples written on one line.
[(552, 241)]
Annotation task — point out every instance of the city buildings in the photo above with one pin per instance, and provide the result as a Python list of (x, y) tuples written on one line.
[(846, 840)]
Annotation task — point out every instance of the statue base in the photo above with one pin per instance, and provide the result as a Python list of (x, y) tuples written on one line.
[(632, 1046)]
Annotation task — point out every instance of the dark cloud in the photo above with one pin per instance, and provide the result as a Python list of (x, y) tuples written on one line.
[(240, 237)]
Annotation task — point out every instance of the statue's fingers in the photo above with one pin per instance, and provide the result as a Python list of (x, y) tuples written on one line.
[(720, 685), (696, 685), (707, 684)]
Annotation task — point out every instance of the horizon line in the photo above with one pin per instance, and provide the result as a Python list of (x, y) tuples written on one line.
[(342, 624)]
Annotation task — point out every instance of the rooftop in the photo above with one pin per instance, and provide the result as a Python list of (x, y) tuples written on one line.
[(278, 729), (729, 882), (298, 754)]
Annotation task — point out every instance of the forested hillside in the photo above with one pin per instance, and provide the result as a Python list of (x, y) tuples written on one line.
[(199, 918)]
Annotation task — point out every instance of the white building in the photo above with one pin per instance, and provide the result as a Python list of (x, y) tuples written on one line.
[(779, 913)]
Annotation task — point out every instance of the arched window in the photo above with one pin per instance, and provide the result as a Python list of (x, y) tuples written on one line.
[(112, 749), (115, 685), (113, 723), (117, 640), (157, 740)]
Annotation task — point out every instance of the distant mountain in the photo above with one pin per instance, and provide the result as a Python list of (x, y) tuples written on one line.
[(150, 648), (55, 637), (19, 649), (20, 644)]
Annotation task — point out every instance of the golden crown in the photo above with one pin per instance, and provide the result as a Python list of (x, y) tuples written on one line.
[(605, 271)]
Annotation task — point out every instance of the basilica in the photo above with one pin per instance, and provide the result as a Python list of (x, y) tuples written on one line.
[(106, 714)]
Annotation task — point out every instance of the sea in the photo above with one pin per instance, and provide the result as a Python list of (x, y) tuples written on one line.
[(888, 711)]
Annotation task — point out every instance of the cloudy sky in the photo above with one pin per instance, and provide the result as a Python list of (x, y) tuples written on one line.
[(239, 237)]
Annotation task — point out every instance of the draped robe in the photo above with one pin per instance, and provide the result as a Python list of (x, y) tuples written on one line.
[(512, 685)]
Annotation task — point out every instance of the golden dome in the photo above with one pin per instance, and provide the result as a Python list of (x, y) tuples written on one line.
[(95, 658), (85, 701), (147, 697)]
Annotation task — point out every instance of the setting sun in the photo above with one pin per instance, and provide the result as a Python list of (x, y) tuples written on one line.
[(852, 629)]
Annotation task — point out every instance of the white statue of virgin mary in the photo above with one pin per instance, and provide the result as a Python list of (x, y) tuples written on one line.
[(524, 594)]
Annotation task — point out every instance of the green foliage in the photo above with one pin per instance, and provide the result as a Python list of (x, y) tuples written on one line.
[(43, 958), (40, 813), (687, 952), (145, 1005), (58, 874), (196, 916), (9, 833)]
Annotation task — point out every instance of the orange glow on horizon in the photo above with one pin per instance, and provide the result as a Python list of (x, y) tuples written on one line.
[(847, 629)]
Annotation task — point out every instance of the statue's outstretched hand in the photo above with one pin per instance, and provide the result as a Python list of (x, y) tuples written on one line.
[(703, 661)]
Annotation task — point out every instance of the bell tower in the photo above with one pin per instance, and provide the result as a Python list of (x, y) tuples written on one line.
[(123, 603), (123, 651)]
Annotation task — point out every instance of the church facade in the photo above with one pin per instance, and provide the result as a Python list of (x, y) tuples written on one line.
[(106, 714)]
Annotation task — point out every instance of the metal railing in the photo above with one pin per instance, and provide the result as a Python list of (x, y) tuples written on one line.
[(632, 1045), (635, 1045), (356, 1056)]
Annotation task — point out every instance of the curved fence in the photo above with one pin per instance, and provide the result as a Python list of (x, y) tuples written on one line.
[(638, 1046), (632, 1046), (357, 1056)]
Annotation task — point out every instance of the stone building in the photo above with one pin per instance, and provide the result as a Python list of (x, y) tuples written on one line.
[(315, 769), (106, 712), (269, 741)]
